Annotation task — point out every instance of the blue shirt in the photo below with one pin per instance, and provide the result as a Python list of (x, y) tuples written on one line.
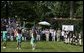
[(19, 36), (4, 34)]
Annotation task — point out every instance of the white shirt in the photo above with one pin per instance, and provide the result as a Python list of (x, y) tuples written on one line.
[(62, 33), (54, 33), (79, 35)]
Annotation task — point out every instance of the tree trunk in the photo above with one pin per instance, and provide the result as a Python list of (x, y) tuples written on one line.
[(71, 9)]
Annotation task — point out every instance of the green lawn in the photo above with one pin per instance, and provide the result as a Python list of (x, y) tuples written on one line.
[(42, 46)]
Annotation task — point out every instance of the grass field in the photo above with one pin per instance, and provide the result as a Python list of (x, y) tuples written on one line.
[(42, 47)]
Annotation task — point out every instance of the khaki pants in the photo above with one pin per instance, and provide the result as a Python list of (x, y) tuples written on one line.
[(47, 37), (67, 40), (25, 38), (76, 42), (38, 37), (70, 40), (53, 38), (80, 40), (58, 37), (11, 38)]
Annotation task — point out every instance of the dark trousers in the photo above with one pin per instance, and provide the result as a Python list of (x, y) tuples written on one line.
[(62, 38)]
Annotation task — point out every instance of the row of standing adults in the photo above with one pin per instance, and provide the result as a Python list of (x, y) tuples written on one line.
[(47, 34), (58, 35), (65, 36)]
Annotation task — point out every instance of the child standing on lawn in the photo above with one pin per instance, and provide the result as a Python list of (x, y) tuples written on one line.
[(33, 38), (19, 39)]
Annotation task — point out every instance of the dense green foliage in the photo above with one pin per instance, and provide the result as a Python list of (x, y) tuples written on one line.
[(28, 9)]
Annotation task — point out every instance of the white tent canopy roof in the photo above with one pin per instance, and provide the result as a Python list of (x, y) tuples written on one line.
[(44, 23)]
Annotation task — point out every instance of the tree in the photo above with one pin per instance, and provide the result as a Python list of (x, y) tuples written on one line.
[(71, 9), (79, 9)]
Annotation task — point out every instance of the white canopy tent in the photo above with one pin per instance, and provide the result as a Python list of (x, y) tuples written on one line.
[(44, 23)]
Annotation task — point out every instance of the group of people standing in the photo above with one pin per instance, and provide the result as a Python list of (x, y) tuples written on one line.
[(18, 37), (37, 34), (72, 38), (17, 34), (68, 37)]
